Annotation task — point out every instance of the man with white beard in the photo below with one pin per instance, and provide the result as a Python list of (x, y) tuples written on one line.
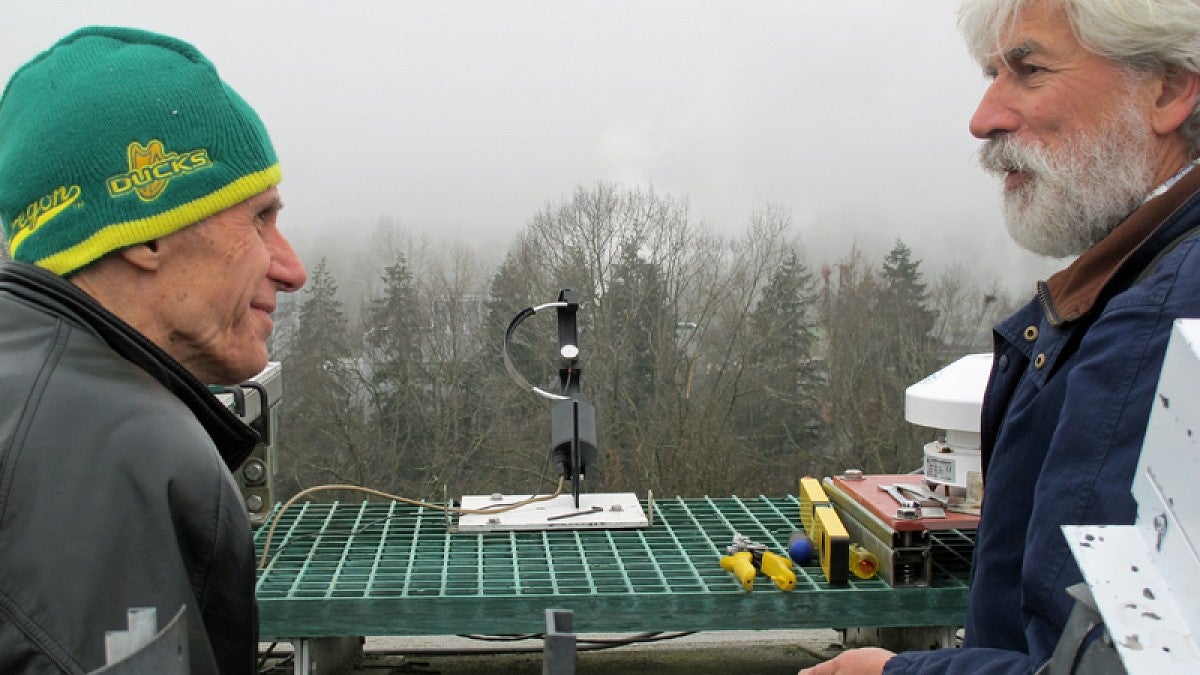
[(1091, 120)]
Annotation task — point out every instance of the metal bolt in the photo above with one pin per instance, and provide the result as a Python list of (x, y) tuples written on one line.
[(254, 471), (254, 503), (1160, 528)]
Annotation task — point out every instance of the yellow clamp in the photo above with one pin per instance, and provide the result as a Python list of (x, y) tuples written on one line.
[(779, 568), (741, 564), (746, 559)]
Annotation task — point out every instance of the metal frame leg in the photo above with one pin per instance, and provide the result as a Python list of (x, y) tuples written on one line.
[(1078, 649), (319, 656), (558, 650)]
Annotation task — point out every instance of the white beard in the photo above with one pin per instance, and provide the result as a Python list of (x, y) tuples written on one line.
[(1077, 194)]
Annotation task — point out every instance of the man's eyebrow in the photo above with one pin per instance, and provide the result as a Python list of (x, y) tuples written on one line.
[(1020, 52), (1012, 55)]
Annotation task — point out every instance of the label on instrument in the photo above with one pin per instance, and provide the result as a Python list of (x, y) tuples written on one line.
[(939, 469)]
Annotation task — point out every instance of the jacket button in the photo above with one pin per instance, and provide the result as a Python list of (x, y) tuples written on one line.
[(1031, 333), (1002, 363), (1039, 361)]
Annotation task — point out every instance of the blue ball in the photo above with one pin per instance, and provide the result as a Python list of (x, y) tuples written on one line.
[(800, 549)]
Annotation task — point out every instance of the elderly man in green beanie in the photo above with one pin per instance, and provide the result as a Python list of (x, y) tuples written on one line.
[(139, 202)]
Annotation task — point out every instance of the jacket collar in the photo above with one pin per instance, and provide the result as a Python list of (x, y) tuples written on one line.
[(233, 438), (1072, 292)]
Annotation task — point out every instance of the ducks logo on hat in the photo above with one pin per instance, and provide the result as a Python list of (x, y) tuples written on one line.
[(151, 168)]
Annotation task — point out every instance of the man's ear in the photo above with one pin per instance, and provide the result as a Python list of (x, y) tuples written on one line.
[(144, 256), (1176, 99)]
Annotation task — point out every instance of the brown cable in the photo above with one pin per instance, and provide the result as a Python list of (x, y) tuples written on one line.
[(262, 562)]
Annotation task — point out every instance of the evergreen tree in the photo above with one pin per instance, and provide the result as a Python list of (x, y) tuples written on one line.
[(639, 309), (319, 385), (782, 416), (393, 376), (854, 359), (518, 284), (392, 343), (904, 302), (395, 316), (637, 347), (321, 328), (908, 353), (511, 412), (879, 337)]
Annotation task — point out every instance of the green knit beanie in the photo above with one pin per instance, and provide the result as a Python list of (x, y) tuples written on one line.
[(116, 136)]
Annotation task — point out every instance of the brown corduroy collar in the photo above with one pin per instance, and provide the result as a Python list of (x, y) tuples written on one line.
[(1072, 292)]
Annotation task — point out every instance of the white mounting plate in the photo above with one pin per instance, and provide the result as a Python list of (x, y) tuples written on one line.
[(1140, 610), (618, 510), (1168, 514)]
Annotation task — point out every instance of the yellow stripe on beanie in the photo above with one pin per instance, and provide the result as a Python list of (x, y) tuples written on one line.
[(120, 235)]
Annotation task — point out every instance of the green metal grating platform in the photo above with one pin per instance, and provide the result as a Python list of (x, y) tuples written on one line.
[(403, 573)]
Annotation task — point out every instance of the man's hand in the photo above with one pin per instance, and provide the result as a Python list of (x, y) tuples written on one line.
[(865, 661)]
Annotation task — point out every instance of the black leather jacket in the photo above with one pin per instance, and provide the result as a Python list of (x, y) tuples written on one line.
[(115, 489)]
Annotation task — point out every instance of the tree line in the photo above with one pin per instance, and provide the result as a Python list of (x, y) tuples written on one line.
[(716, 365)]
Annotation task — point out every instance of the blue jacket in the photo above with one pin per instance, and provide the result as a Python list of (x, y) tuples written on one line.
[(1072, 382)]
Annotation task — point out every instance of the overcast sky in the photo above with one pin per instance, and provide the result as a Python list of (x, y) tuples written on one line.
[(460, 120)]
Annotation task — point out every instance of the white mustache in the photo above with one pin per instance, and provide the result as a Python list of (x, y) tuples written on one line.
[(1004, 154)]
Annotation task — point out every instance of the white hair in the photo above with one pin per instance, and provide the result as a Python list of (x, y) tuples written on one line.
[(1139, 35)]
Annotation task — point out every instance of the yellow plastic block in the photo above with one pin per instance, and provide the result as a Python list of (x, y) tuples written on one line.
[(811, 496), (832, 543)]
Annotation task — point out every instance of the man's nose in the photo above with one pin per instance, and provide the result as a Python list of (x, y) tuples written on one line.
[(286, 269), (995, 114)]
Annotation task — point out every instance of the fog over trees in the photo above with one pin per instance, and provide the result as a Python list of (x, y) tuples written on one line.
[(716, 365)]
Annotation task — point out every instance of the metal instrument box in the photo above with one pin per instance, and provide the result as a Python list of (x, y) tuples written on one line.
[(256, 402), (902, 545)]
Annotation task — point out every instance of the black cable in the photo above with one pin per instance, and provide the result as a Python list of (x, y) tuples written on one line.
[(655, 636), (262, 662), (595, 643), (583, 645), (504, 638), (651, 636), (283, 662)]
